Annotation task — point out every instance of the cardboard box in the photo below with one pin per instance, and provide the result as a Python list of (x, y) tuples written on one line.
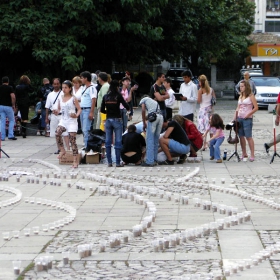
[(68, 158), (93, 158)]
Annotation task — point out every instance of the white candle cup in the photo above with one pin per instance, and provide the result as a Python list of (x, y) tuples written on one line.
[(52, 226), (16, 266), (32, 200), (45, 227), (6, 235), (65, 257), (102, 245), (26, 232), (16, 233), (36, 230), (223, 180)]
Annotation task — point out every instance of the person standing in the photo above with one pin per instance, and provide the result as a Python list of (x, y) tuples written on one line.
[(189, 91), (169, 103), (159, 93), (52, 115), (111, 106), (251, 82), (153, 130), (247, 106), (7, 108), (22, 98), (126, 93), (69, 108), (88, 100), (103, 81), (42, 95), (205, 94), (77, 92)]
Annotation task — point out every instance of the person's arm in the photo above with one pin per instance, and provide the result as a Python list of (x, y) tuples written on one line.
[(206, 132), (160, 97), (213, 93), (102, 108), (191, 132), (255, 104), (199, 96), (78, 107), (216, 135), (93, 95), (168, 132), (13, 100)]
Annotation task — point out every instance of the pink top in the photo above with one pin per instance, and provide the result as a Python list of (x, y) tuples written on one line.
[(214, 131), (245, 107), (125, 96)]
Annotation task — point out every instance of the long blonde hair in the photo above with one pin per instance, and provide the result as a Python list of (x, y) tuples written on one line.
[(204, 83), (248, 89)]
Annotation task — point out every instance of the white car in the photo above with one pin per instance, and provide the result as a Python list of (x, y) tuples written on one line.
[(268, 89)]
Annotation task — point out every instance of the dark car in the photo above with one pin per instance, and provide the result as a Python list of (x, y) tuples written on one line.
[(176, 76)]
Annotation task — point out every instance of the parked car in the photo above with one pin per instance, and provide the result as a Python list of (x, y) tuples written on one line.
[(176, 76), (268, 89)]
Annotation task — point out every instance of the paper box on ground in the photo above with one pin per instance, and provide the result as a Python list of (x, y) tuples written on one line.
[(68, 158), (93, 158)]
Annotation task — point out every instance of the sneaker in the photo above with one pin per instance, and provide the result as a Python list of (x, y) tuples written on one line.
[(38, 133), (219, 161), (146, 164), (211, 158), (266, 147), (12, 138), (166, 162), (182, 159)]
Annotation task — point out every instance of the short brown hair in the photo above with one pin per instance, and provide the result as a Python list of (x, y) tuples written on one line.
[(24, 80), (77, 79)]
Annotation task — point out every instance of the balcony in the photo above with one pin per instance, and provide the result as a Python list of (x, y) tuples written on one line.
[(273, 13)]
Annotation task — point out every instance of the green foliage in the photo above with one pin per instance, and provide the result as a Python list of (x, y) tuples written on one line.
[(71, 34)]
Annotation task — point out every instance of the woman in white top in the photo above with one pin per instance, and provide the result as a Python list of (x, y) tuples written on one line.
[(77, 92), (204, 97), (70, 109)]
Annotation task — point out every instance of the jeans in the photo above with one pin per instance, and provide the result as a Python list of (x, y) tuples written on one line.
[(152, 137), (113, 125), (43, 119), (215, 147), (7, 111), (124, 118), (85, 123)]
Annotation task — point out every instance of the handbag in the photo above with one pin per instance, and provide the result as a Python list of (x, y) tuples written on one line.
[(152, 116), (232, 140)]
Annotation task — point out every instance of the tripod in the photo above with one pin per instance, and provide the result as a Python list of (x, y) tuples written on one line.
[(1, 150), (235, 150), (274, 140)]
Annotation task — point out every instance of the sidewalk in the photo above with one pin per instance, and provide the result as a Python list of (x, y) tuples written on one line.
[(102, 215)]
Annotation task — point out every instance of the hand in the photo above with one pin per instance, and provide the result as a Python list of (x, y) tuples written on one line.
[(144, 126), (90, 116), (55, 112), (73, 115), (46, 120)]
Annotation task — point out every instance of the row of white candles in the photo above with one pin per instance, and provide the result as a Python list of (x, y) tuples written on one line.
[(13, 200)]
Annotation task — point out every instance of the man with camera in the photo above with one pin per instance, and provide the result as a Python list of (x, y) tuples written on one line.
[(52, 116)]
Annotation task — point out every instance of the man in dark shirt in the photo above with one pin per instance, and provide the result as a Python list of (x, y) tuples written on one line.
[(174, 141), (133, 144), (159, 93), (7, 107)]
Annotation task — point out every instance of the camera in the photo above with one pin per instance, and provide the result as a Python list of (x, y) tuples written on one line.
[(231, 125)]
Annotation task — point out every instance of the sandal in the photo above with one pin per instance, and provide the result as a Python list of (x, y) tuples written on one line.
[(61, 155), (251, 159)]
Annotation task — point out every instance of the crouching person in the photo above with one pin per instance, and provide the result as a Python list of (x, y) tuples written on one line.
[(174, 141), (133, 145)]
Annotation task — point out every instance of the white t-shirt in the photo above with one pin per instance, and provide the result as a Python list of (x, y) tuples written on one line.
[(78, 93), (88, 93), (51, 98), (190, 91), (169, 103)]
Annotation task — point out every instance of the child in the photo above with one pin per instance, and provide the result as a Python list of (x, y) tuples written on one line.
[(216, 126)]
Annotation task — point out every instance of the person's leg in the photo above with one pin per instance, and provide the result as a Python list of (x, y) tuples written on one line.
[(241, 133), (85, 121), (66, 141), (217, 151), (164, 144), (3, 122), (108, 140), (212, 144), (43, 121), (11, 117), (59, 141), (251, 144), (118, 126), (243, 146), (72, 139), (157, 130), (150, 144), (98, 121)]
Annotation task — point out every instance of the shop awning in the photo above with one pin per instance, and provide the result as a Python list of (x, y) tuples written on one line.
[(265, 58)]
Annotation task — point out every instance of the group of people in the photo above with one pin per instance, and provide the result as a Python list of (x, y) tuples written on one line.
[(90, 97)]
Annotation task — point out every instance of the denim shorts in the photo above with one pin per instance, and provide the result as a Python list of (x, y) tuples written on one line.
[(176, 147), (246, 126)]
